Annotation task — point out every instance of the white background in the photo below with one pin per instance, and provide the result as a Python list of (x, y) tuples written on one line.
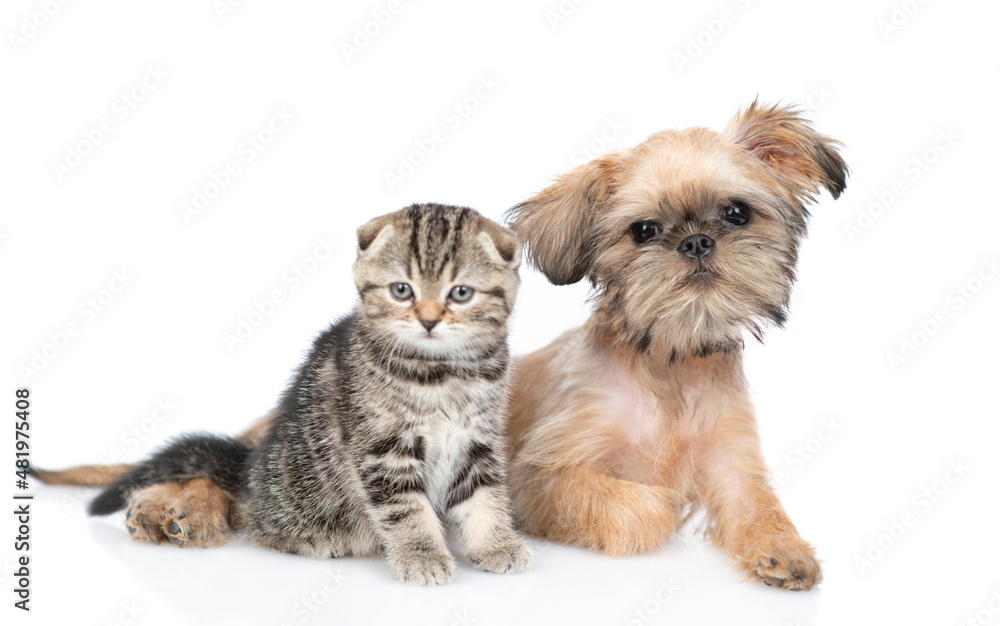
[(609, 67)]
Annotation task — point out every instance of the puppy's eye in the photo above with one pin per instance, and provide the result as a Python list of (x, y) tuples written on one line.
[(644, 231), (401, 291), (737, 213), (461, 293)]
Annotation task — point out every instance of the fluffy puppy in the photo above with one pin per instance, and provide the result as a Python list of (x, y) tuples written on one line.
[(622, 428)]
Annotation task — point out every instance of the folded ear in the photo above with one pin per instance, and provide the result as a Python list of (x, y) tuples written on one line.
[(371, 235), (786, 142), (556, 224), (501, 244)]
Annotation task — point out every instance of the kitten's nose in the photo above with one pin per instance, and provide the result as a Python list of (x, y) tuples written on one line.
[(696, 246), (429, 324)]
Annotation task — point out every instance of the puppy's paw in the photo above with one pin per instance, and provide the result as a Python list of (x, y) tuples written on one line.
[(195, 514), (507, 557), (424, 568), (630, 518), (784, 561)]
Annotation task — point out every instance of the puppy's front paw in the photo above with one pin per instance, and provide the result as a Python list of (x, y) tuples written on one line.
[(784, 561), (424, 568), (507, 557)]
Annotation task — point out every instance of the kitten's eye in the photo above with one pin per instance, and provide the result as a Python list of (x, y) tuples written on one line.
[(737, 213), (644, 231), (401, 291), (461, 293)]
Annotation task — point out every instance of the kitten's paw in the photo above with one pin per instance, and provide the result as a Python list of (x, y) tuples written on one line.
[(144, 519), (784, 561), (508, 557), (196, 514), (424, 568)]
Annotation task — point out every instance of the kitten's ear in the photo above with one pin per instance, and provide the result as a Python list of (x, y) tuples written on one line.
[(784, 140), (372, 235), (556, 224), (500, 244)]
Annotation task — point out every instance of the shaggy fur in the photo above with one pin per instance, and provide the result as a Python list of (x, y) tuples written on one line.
[(621, 428)]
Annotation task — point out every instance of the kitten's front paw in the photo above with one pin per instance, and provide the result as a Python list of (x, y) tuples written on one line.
[(424, 568), (784, 561), (507, 557)]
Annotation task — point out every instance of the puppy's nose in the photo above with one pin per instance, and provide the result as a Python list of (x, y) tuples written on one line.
[(429, 324), (696, 246)]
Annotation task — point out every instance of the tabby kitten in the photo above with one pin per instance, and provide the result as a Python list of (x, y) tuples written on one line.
[(392, 426)]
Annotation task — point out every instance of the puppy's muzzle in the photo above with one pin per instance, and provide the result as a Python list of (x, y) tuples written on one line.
[(696, 247)]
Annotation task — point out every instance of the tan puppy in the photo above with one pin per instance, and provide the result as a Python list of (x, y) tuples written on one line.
[(621, 428)]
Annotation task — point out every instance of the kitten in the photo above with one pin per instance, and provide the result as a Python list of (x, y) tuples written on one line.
[(393, 424)]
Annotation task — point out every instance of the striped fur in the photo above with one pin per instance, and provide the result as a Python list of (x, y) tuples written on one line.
[(391, 429)]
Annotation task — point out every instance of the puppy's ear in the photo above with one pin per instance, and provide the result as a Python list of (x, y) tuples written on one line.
[(556, 224), (501, 244), (786, 142), (371, 235)]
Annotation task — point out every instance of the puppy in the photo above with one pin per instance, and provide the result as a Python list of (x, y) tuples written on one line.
[(622, 428)]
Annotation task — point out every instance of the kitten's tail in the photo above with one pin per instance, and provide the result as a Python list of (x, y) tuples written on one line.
[(223, 460)]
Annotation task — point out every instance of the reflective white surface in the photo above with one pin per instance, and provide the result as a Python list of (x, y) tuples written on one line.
[(219, 308)]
